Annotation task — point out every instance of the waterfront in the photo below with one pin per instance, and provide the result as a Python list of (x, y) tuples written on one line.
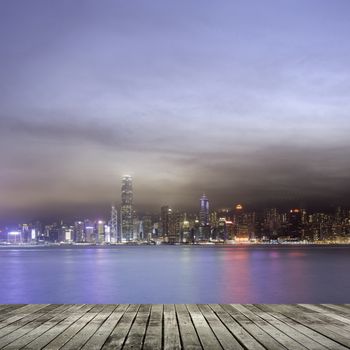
[(175, 274)]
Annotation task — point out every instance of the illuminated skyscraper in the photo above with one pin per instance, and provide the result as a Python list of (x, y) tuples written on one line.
[(204, 211), (127, 212), (165, 213), (100, 231), (295, 224), (79, 231), (204, 229), (114, 236)]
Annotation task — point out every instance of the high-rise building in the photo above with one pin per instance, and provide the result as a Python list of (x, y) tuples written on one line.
[(79, 231), (204, 211), (99, 231), (89, 231), (165, 214), (242, 223), (147, 225), (114, 236), (127, 212), (171, 224), (295, 223), (204, 229), (185, 230)]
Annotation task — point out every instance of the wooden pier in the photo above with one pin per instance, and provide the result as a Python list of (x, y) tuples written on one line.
[(235, 326)]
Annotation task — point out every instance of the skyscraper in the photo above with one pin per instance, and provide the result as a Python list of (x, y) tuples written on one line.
[(204, 229), (127, 212), (165, 213), (115, 237), (204, 211)]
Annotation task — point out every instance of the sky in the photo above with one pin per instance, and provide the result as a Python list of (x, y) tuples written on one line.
[(247, 101)]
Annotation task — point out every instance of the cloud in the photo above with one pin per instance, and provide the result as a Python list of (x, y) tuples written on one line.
[(245, 103)]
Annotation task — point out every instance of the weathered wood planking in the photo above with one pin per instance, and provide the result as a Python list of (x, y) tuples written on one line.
[(189, 327)]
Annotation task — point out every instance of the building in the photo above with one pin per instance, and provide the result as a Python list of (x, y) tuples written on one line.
[(295, 224), (100, 231), (165, 217), (127, 212), (243, 224), (79, 232), (89, 231), (204, 211), (175, 227), (204, 227), (147, 223), (138, 229), (171, 222), (114, 233), (185, 236)]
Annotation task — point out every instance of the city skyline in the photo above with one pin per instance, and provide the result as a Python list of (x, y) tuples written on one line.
[(174, 226), (123, 210), (232, 225), (245, 102)]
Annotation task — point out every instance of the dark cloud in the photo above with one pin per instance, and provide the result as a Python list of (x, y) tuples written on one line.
[(246, 103)]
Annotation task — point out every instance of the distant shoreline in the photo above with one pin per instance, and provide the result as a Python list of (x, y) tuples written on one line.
[(119, 246)]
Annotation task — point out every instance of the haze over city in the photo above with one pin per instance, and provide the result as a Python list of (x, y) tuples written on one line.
[(238, 101)]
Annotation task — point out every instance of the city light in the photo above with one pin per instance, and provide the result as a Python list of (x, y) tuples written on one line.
[(14, 233), (175, 226)]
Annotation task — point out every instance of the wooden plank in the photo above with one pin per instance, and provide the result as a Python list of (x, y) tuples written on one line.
[(326, 316), (258, 333), (330, 319), (79, 339), (101, 335), (171, 328), (154, 332), (137, 332), (26, 333), (30, 309), (117, 338), (24, 325), (3, 307), (10, 327), (205, 333), (281, 337), (6, 308), (342, 309), (325, 341), (225, 338), (52, 333), (70, 332), (328, 329), (236, 329), (314, 323), (258, 327), (25, 310), (285, 328), (188, 334), (97, 308)]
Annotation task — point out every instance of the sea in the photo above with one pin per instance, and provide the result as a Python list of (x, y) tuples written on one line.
[(175, 274)]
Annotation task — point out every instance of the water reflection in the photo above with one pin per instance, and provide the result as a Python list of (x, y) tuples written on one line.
[(175, 274)]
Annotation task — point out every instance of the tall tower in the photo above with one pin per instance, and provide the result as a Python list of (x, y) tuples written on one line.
[(127, 212), (204, 211), (204, 228), (165, 213), (114, 226)]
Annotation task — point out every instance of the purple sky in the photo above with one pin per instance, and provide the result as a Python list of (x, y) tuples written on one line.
[(247, 101)]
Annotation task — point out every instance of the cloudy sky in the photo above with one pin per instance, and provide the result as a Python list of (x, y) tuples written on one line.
[(247, 101)]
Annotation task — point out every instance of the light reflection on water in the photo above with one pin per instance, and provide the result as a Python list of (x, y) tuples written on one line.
[(175, 274)]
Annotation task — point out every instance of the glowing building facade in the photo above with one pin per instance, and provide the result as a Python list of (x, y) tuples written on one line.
[(127, 211), (204, 211)]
